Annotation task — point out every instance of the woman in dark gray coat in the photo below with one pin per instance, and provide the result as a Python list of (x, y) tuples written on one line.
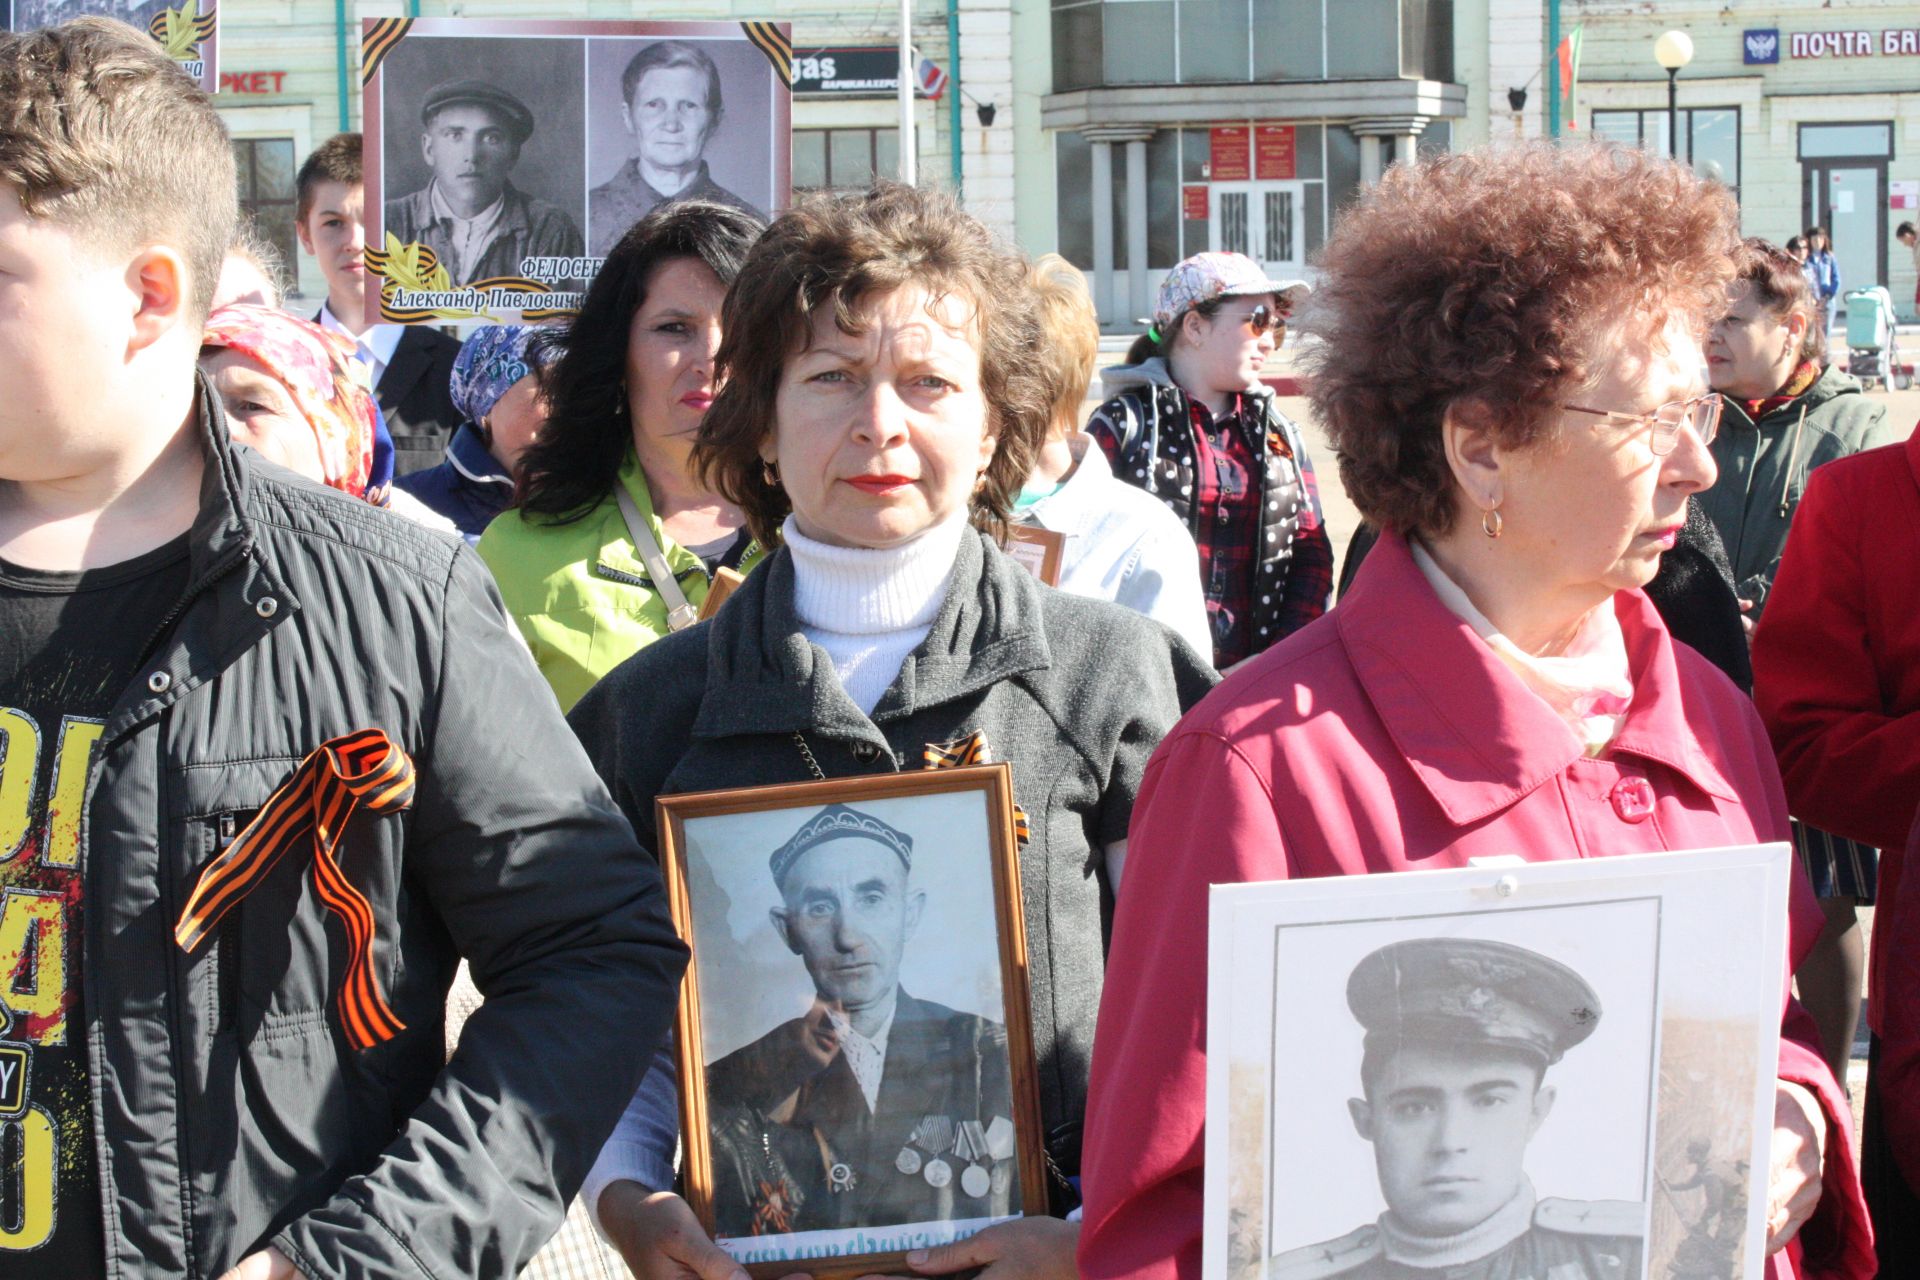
[(877, 420)]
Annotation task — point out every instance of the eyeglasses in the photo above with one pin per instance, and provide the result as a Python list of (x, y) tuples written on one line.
[(1702, 413), (1263, 318)]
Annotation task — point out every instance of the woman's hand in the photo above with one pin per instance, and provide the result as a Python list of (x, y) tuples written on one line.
[(1799, 1154), (659, 1238), (1029, 1249), (268, 1264)]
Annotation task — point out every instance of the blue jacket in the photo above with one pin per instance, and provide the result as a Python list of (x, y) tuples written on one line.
[(469, 487), (1824, 269)]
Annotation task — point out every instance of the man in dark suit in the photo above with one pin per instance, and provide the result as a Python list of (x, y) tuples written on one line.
[(875, 1108), (412, 365)]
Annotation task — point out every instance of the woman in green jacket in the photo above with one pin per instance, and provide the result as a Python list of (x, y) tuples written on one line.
[(615, 540)]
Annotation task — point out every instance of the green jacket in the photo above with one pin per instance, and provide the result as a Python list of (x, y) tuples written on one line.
[(578, 590), (1764, 466)]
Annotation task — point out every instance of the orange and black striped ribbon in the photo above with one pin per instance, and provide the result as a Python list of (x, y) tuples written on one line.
[(343, 774), (377, 42), (770, 39), (972, 749)]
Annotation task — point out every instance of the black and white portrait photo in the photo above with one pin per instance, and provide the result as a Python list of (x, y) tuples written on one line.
[(1548, 1071), (1468, 1046), (860, 1087), (187, 29), (482, 151), (675, 119)]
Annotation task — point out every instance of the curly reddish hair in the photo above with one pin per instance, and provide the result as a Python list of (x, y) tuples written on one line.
[(1496, 281)]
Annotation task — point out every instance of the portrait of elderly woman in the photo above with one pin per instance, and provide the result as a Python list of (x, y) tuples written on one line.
[(1513, 379), (671, 106)]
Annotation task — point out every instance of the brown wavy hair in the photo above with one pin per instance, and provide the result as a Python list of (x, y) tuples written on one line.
[(1781, 288), (1488, 279), (830, 253)]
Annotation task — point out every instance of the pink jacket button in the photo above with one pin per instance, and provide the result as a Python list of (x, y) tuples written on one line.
[(1633, 799)]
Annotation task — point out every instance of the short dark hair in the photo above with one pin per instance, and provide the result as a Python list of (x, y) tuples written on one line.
[(1904, 229), (1820, 231), (1781, 287), (102, 134), (1378, 1050), (338, 159), (575, 461), (827, 255), (673, 53)]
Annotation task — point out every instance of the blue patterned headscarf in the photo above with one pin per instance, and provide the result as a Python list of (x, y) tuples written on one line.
[(492, 359)]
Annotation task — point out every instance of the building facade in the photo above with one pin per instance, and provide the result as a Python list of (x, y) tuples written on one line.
[(1185, 125), (1810, 113)]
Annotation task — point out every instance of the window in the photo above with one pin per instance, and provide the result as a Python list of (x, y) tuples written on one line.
[(1113, 42), (1821, 141), (266, 169), (1711, 134), (843, 159)]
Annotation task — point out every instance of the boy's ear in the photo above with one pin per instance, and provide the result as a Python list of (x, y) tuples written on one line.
[(158, 282)]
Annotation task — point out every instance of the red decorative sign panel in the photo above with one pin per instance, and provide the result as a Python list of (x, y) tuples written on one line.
[(1232, 154), (1193, 202), (1273, 158)]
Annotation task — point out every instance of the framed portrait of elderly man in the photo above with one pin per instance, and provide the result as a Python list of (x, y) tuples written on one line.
[(856, 1061), (1561, 1070), (506, 158)]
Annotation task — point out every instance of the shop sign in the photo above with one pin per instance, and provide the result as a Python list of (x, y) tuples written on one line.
[(1903, 193), (252, 81), (1231, 154), (852, 71), (1893, 43), (1273, 158), (1193, 202)]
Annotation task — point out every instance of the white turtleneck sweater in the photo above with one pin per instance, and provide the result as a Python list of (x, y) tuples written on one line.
[(870, 608)]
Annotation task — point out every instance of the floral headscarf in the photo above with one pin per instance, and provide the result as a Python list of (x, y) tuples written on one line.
[(329, 383), (492, 359)]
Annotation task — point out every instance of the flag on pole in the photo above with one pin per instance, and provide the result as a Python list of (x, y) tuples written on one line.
[(929, 79), (1568, 56)]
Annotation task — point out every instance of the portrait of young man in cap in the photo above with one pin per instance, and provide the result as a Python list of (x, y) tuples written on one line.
[(470, 214), (875, 1107), (1460, 1037)]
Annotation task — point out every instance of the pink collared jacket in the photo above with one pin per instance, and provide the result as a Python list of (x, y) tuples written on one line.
[(1388, 737)]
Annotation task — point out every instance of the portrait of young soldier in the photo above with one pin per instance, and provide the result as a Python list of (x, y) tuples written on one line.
[(875, 1107), (470, 214), (1460, 1037), (671, 106)]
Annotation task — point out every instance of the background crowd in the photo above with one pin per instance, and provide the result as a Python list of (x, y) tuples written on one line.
[(1638, 553)]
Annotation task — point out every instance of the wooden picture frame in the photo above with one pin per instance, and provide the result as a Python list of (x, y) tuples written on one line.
[(1039, 551), (725, 582), (767, 1165)]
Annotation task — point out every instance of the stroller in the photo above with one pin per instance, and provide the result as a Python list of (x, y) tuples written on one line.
[(1873, 345)]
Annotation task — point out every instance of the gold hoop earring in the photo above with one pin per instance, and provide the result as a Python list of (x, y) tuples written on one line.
[(770, 472), (1491, 522)]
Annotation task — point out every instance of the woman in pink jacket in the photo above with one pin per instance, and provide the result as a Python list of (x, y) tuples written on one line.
[(1513, 379)]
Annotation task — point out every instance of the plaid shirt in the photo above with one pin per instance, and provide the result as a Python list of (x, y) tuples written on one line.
[(1248, 555)]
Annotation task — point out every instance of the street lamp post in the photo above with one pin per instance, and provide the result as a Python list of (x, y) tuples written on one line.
[(1673, 50)]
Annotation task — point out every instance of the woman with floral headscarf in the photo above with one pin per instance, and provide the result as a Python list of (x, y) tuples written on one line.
[(297, 394), (496, 387)]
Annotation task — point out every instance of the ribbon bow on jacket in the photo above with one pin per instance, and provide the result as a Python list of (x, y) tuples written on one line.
[(361, 768)]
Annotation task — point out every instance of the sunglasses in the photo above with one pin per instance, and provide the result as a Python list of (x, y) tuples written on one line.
[(1265, 317)]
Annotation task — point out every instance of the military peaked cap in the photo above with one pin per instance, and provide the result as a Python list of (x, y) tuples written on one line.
[(1470, 991)]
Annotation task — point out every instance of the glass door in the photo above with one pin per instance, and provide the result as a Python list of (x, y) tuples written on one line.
[(1263, 220)]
